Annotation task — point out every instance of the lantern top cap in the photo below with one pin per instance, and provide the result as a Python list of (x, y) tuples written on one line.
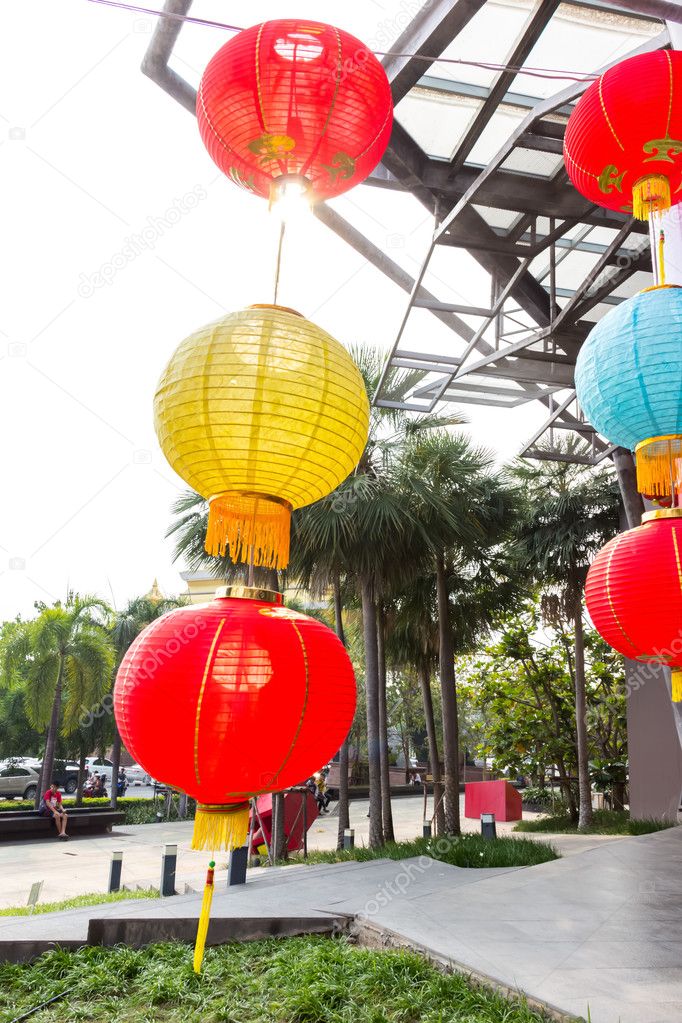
[(279, 308), (662, 513), (249, 593)]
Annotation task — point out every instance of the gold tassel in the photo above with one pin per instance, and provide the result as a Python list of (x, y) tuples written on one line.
[(661, 257), (659, 466), (249, 527), (650, 195), (677, 685), (204, 917), (220, 827)]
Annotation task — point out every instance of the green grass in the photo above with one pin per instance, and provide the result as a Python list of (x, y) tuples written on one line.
[(465, 851), (92, 899), (606, 822), (291, 980)]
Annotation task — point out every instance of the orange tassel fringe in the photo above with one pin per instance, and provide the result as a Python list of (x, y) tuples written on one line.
[(249, 527), (676, 678), (650, 195), (659, 466)]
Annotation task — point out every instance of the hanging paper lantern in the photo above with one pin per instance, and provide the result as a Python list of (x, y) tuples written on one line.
[(623, 142), (260, 412), (628, 379), (231, 699), (295, 101), (634, 592)]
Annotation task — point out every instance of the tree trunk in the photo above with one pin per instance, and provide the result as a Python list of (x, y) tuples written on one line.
[(344, 807), (115, 764), (584, 787), (279, 840), (53, 728), (567, 790), (386, 812), (434, 757), (618, 795), (369, 628), (81, 777), (449, 700)]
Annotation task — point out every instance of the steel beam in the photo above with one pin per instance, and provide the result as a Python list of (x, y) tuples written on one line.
[(429, 33)]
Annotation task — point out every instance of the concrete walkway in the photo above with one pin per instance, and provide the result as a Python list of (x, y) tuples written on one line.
[(82, 864), (598, 932)]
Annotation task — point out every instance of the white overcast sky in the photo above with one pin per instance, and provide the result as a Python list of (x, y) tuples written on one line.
[(92, 154)]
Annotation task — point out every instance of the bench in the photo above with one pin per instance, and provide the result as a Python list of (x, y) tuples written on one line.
[(28, 823)]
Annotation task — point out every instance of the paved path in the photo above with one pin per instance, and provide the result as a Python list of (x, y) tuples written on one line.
[(600, 931), (82, 864)]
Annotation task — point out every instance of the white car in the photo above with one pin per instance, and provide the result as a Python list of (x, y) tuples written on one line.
[(96, 765), (136, 775)]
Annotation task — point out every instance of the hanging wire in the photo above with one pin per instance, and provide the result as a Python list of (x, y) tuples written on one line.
[(554, 74), (278, 265)]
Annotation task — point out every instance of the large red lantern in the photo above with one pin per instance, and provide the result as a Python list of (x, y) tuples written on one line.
[(231, 699), (623, 143), (295, 101), (634, 592)]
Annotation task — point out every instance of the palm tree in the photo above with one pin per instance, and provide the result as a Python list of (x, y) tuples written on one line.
[(128, 624), (65, 658), (463, 511), (414, 641), (570, 512), (363, 534)]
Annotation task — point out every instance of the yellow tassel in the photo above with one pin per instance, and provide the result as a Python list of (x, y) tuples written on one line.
[(249, 527), (661, 257), (650, 195), (204, 917), (677, 685), (659, 466), (220, 827)]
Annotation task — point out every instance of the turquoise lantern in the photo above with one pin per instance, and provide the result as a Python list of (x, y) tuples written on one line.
[(628, 380)]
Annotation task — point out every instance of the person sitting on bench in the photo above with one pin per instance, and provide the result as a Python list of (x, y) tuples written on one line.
[(52, 807)]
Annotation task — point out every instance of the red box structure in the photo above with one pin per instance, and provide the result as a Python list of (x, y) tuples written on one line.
[(498, 797)]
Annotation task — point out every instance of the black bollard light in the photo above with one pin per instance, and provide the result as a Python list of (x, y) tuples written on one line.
[(169, 861), (115, 871), (488, 830)]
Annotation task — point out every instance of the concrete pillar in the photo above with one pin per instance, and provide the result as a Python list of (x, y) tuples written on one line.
[(654, 735)]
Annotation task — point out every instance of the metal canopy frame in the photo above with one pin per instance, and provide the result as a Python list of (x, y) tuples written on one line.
[(525, 342)]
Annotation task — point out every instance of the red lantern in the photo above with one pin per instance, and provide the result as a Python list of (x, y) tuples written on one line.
[(634, 591), (623, 143), (231, 699), (295, 100)]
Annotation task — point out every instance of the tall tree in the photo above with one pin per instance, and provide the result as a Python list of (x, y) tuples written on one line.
[(569, 513), (65, 659), (463, 511), (128, 624)]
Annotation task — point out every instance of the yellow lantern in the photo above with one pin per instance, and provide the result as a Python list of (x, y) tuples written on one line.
[(260, 412)]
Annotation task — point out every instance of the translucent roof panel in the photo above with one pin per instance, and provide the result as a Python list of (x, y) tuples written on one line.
[(581, 39), (489, 37), (533, 161), (436, 120)]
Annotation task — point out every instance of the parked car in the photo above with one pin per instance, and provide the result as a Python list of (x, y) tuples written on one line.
[(136, 775), (18, 781), (96, 765), (65, 774)]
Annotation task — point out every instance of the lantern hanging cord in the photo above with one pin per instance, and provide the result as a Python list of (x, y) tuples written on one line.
[(554, 74), (278, 265)]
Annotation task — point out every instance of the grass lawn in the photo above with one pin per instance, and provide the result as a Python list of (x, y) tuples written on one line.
[(291, 980), (92, 899), (606, 822), (465, 851)]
